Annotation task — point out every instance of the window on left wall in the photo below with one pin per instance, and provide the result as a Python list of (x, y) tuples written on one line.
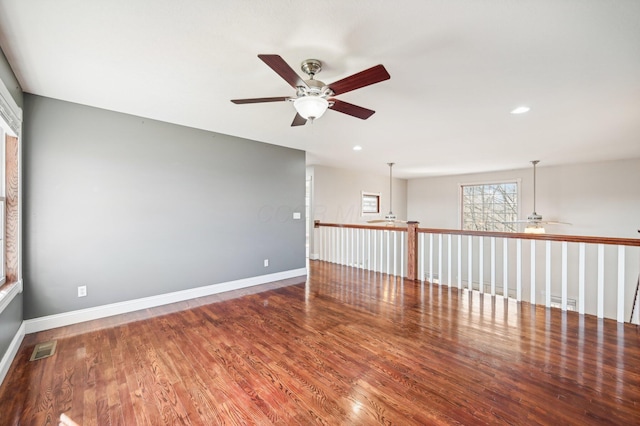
[(10, 125)]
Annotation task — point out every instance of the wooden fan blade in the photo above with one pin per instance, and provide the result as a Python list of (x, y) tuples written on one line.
[(259, 100), (299, 120), (276, 63), (351, 109), (363, 78)]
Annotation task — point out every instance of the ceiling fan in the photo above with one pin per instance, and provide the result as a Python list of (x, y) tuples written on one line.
[(534, 220), (313, 97), (389, 219)]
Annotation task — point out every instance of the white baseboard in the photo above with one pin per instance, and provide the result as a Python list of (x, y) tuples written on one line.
[(97, 312), (11, 352)]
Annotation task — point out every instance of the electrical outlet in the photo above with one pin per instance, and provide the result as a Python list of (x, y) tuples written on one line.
[(266, 263), (82, 291)]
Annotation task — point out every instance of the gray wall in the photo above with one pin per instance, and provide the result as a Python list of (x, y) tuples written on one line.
[(10, 320), (132, 207), (11, 317)]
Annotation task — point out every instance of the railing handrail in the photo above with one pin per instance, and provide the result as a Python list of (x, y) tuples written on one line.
[(633, 242), (376, 248), (318, 224)]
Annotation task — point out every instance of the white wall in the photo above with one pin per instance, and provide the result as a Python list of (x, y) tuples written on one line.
[(599, 199), (337, 194)]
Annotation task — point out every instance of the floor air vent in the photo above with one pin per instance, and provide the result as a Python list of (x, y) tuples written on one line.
[(43, 350)]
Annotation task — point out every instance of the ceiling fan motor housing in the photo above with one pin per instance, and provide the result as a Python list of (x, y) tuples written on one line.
[(311, 67), (535, 217)]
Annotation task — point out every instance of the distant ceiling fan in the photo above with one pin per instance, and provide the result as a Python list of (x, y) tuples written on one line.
[(313, 97), (389, 219), (534, 220)]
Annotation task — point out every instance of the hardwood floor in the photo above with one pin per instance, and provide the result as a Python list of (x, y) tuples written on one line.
[(346, 347)]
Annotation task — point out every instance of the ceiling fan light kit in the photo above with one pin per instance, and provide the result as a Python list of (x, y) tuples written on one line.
[(313, 97), (534, 229), (311, 107)]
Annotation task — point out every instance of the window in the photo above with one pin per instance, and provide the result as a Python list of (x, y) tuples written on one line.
[(487, 207), (10, 124), (3, 203), (370, 203)]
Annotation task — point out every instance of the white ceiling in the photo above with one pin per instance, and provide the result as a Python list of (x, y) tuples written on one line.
[(457, 68)]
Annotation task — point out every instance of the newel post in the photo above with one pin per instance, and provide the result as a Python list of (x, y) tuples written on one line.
[(412, 256)]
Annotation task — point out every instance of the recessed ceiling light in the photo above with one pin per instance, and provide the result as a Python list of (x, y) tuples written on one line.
[(357, 148), (520, 110)]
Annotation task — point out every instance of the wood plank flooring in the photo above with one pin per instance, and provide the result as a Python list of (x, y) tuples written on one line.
[(347, 347)]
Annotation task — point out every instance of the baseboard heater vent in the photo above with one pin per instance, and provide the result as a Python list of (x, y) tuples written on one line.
[(43, 350), (556, 302)]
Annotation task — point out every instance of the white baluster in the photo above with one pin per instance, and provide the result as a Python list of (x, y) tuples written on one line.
[(470, 262), (581, 277), (363, 248), (352, 252), (449, 281), (325, 244), (356, 250), (440, 259), (493, 266), (388, 252), (402, 245), (395, 253), (519, 270), (422, 255), (533, 272), (481, 264), (505, 270), (460, 261), (383, 235), (332, 243), (600, 281), (431, 258), (369, 249), (374, 244), (547, 301), (343, 245), (565, 284), (621, 270)]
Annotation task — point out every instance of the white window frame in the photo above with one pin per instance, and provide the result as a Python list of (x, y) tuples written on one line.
[(516, 181), (3, 201), (11, 124), (366, 194)]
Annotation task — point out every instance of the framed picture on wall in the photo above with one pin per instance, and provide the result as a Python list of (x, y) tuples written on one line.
[(370, 203)]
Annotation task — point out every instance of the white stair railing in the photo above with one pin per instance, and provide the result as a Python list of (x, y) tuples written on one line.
[(590, 275)]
